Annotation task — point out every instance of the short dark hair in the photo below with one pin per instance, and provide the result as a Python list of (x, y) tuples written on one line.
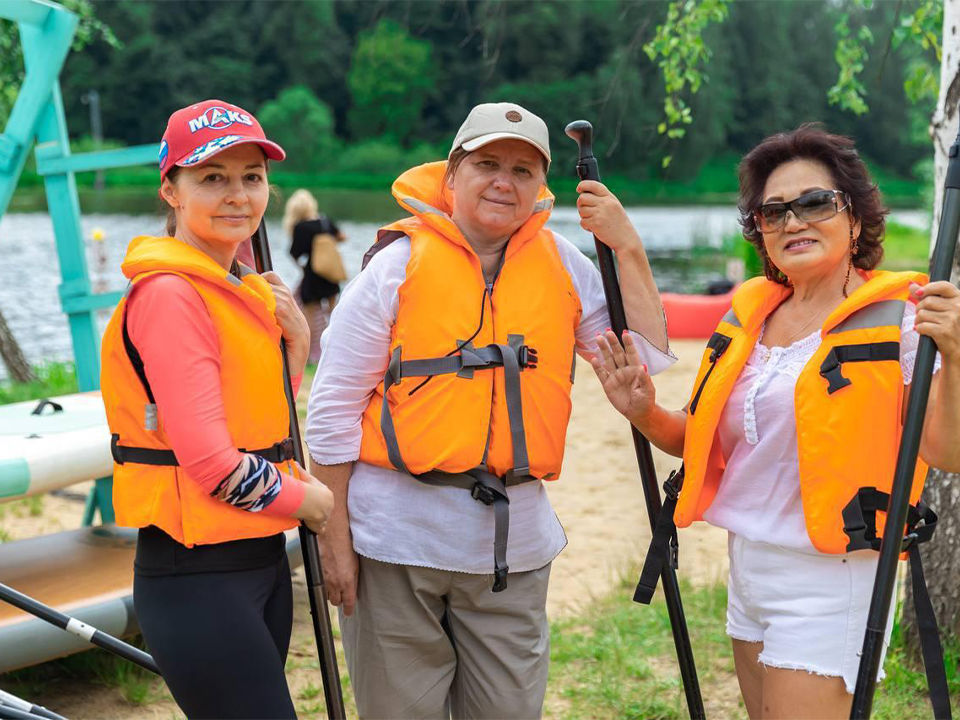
[(838, 155)]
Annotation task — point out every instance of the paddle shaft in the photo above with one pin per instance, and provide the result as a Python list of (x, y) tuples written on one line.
[(33, 711), (581, 131), (941, 264), (316, 590), (78, 628)]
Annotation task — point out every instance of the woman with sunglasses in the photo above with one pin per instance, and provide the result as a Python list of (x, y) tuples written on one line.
[(797, 405)]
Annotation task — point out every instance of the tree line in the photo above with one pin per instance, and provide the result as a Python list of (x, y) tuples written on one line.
[(371, 85)]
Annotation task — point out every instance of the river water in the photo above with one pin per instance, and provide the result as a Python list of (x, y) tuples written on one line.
[(683, 243)]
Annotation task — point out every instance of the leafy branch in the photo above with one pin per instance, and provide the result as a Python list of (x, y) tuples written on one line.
[(678, 49), (851, 56)]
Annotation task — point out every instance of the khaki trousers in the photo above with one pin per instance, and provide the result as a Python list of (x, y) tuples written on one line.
[(427, 643)]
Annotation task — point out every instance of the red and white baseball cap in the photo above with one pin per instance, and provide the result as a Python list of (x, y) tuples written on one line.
[(199, 132)]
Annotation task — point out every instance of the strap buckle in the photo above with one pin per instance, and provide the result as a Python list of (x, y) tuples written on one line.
[(527, 357), (909, 540), (674, 552), (481, 492), (115, 448), (500, 578), (673, 484), (831, 372), (286, 449)]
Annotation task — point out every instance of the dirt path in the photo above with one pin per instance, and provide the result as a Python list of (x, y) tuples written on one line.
[(599, 500)]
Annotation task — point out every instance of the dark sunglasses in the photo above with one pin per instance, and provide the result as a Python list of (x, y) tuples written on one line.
[(813, 207)]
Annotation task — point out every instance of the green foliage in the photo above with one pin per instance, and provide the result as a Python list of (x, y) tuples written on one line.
[(53, 378), (297, 119), (851, 56), (390, 79), (679, 50), (920, 31), (407, 72), (89, 29)]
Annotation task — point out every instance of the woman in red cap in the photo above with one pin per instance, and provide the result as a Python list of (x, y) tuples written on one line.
[(192, 383)]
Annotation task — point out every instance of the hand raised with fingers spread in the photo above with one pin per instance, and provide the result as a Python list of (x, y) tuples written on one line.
[(624, 377)]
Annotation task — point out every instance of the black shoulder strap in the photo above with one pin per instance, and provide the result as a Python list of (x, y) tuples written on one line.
[(930, 647), (135, 359), (384, 238)]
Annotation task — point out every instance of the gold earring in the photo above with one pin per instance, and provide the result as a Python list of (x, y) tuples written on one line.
[(854, 246)]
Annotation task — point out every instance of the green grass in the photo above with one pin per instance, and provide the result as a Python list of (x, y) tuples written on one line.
[(53, 378), (905, 248), (135, 685), (618, 661)]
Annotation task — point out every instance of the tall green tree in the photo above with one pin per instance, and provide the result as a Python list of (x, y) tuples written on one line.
[(390, 76), (297, 119)]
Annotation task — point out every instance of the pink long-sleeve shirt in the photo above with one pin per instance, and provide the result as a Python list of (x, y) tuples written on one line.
[(177, 341)]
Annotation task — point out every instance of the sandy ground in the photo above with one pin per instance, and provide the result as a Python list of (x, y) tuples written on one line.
[(599, 500)]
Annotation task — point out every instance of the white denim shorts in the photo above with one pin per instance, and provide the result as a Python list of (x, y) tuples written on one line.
[(808, 610)]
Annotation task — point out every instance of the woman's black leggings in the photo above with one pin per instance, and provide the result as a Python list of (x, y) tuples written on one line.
[(221, 639)]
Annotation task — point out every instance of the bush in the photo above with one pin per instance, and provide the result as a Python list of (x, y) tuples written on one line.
[(303, 125), (382, 156)]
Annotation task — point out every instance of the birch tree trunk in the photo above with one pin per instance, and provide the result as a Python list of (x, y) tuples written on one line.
[(941, 558)]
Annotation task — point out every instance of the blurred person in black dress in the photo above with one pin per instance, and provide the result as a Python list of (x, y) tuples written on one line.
[(314, 247)]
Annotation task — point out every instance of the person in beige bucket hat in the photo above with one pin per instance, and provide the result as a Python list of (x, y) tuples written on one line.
[(439, 411)]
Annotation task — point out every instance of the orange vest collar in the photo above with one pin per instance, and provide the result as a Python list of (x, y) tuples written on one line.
[(147, 254), (422, 192)]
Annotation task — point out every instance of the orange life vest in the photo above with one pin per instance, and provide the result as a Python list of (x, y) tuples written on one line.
[(847, 403), (461, 418), (242, 311)]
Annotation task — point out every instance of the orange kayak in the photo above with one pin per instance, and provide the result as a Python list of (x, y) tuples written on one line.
[(694, 316)]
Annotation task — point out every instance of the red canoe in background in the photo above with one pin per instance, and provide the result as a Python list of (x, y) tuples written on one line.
[(694, 316)]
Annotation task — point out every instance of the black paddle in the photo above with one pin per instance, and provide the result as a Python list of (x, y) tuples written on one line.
[(940, 265), (582, 132), (326, 648)]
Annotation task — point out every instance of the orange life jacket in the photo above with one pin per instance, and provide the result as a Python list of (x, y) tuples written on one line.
[(461, 418), (162, 494), (847, 403)]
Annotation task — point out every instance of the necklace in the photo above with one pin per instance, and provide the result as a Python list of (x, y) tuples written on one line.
[(804, 327)]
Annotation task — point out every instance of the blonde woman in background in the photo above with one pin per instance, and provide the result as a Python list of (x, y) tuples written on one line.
[(314, 246)]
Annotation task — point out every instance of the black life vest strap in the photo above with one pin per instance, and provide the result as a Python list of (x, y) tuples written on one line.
[(831, 367), (664, 546), (860, 525), (277, 453), (136, 360), (718, 344)]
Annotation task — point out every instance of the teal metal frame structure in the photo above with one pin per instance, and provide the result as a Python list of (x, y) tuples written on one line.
[(46, 33)]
